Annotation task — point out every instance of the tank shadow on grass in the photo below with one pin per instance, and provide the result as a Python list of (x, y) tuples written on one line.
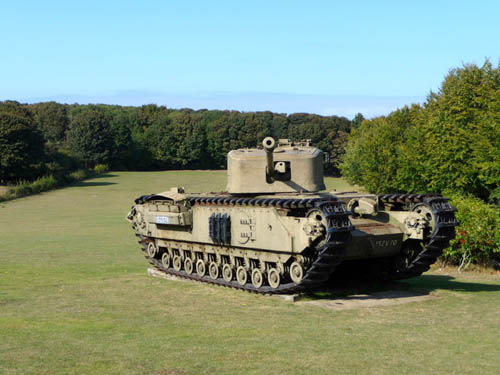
[(361, 289), (420, 286), (445, 282)]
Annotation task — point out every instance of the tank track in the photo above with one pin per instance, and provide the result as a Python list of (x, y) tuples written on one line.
[(328, 255), (444, 231)]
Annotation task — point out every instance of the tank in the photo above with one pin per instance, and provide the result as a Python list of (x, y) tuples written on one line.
[(276, 229)]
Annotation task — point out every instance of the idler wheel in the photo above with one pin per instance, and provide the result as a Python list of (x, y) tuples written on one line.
[(165, 260), (273, 278), (188, 266), (241, 275), (257, 278), (200, 268), (426, 211), (213, 270), (317, 226), (152, 250), (227, 272), (296, 272), (177, 263)]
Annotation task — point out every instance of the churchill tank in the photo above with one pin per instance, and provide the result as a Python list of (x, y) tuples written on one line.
[(276, 230)]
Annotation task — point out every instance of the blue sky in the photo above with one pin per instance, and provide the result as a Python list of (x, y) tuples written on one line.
[(326, 57)]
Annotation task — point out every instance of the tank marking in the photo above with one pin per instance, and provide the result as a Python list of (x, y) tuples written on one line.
[(386, 243), (162, 220)]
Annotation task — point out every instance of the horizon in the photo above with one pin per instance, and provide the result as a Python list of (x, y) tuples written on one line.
[(283, 103)]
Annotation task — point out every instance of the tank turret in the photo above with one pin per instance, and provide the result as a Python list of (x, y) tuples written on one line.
[(277, 167)]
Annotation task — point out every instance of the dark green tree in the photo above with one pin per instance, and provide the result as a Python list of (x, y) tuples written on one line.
[(357, 120), (223, 136), (90, 137), (52, 119), (122, 141), (21, 144), (17, 108), (177, 140), (279, 126), (326, 132)]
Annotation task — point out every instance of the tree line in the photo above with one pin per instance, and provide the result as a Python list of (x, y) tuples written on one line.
[(51, 138), (450, 142)]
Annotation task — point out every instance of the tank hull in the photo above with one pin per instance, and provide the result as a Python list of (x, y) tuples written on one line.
[(286, 243)]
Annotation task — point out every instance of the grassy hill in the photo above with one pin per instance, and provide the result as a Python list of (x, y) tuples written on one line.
[(75, 299)]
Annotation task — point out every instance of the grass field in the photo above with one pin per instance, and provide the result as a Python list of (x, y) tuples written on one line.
[(75, 299)]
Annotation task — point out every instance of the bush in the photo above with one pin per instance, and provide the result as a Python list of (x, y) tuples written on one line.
[(60, 165), (101, 168), (43, 184), (78, 175), (25, 188), (478, 237), (22, 189)]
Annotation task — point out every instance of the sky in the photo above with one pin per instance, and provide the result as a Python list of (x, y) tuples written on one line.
[(325, 57)]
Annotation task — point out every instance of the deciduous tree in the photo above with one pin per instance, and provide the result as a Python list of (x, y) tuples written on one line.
[(21, 144), (90, 137)]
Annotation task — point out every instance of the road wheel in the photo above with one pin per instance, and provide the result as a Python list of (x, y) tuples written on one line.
[(227, 272), (177, 263), (241, 275), (165, 260), (257, 278), (152, 250), (213, 270), (296, 272), (273, 278), (188, 266), (200, 268)]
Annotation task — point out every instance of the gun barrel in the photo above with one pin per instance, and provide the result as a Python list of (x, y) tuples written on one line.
[(269, 145)]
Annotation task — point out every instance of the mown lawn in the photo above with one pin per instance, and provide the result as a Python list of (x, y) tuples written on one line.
[(75, 299)]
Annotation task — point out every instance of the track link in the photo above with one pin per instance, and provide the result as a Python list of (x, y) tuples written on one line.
[(326, 257)]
